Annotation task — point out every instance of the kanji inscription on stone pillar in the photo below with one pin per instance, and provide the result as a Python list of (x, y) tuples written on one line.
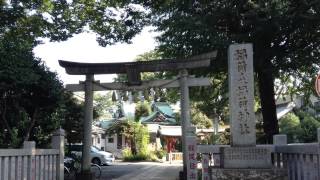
[(240, 57)]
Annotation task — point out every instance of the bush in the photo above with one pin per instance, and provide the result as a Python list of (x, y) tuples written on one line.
[(302, 130), (126, 152), (225, 136), (308, 130), (141, 139), (290, 125), (137, 157), (143, 109), (160, 153), (128, 156), (152, 156)]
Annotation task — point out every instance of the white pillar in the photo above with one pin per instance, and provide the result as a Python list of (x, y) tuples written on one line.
[(185, 115), (58, 143), (215, 125), (87, 125)]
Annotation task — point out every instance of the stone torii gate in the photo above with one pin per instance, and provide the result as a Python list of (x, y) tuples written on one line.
[(133, 70)]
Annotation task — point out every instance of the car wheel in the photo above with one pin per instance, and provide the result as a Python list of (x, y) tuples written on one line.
[(96, 161)]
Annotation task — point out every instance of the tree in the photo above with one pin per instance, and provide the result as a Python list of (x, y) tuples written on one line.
[(29, 93), (285, 37), (71, 115), (290, 125), (135, 132), (199, 119), (142, 109), (113, 21), (103, 105), (309, 125)]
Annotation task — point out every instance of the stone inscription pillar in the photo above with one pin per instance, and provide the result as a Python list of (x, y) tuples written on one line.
[(87, 125), (241, 99)]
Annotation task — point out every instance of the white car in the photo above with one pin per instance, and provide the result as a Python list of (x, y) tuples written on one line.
[(97, 156), (101, 157)]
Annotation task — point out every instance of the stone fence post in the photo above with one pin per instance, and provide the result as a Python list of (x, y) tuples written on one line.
[(31, 164), (280, 139), (318, 135), (58, 143)]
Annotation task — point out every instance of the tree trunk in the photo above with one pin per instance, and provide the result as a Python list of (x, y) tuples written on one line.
[(133, 147), (269, 113), (33, 120), (4, 119)]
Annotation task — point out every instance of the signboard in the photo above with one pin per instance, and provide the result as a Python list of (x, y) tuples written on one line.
[(246, 157), (205, 167), (192, 168), (317, 84)]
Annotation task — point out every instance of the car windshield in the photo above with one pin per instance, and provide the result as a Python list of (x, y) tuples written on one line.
[(94, 149)]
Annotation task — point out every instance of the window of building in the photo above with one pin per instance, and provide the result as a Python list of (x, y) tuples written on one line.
[(119, 141), (110, 140), (98, 140)]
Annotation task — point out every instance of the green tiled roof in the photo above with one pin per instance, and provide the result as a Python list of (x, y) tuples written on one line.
[(164, 108), (105, 124), (158, 118)]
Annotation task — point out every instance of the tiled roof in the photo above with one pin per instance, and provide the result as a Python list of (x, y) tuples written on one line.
[(157, 118), (164, 108)]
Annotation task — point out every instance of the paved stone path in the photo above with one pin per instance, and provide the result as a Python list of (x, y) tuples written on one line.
[(141, 171)]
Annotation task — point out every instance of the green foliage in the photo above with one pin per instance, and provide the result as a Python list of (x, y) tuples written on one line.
[(301, 128), (225, 137), (141, 139), (126, 153), (309, 126), (116, 21), (284, 35), (128, 156), (160, 153), (290, 125), (136, 133), (30, 94), (142, 109), (149, 56), (137, 157), (199, 119), (71, 111), (103, 104)]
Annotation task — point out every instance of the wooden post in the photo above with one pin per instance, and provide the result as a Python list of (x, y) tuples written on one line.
[(58, 143)]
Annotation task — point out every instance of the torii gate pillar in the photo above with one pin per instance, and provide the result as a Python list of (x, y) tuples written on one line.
[(185, 114), (87, 127)]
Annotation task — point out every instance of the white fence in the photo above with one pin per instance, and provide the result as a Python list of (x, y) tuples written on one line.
[(302, 161), (34, 164)]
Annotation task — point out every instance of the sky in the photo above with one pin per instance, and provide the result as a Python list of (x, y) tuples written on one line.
[(84, 48)]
